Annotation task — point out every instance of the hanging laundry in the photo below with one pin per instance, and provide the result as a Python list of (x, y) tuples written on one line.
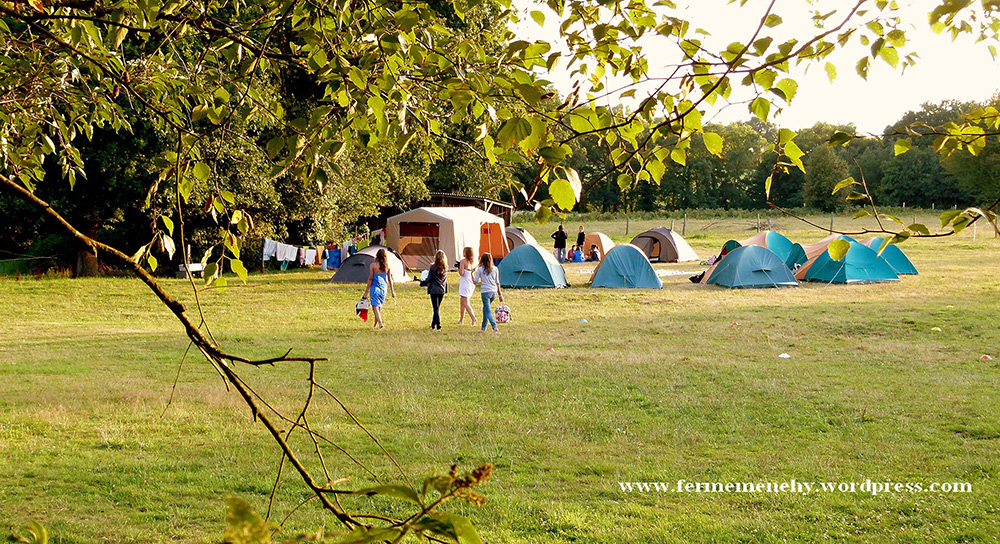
[(270, 249)]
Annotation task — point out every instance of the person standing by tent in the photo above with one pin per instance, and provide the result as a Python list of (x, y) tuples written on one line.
[(466, 286), (379, 283), (437, 286), (488, 276), (581, 238), (560, 237)]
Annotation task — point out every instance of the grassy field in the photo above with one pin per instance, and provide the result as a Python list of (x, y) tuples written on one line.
[(681, 383)]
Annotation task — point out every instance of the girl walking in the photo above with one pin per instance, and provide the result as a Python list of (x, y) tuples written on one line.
[(437, 286), (466, 286), (379, 283), (488, 276)]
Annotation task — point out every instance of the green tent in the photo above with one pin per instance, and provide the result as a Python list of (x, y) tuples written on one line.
[(626, 266), (530, 266), (893, 255), (751, 267), (860, 265)]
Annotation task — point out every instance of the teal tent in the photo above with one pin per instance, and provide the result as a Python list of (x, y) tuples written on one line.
[(531, 266), (860, 265), (893, 255), (751, 267), (626, 266), (785, 249)]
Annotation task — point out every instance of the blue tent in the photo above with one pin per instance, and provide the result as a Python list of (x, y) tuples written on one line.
[(751, 267), (626, 266), (785, 249), (860, 265), (531, 266), (893, 255)]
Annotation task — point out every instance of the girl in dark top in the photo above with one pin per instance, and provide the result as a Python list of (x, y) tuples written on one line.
[(437, 286), (581, 238)]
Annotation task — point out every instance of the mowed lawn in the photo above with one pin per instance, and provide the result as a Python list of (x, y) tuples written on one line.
[(656, 386)]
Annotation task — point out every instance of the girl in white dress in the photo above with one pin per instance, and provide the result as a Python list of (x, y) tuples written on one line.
[(466, 286)]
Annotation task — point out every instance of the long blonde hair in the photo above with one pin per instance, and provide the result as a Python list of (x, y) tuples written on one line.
[(440, 265), (486, 261), (468, 254)]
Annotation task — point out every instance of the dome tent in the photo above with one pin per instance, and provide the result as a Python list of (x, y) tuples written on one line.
[(793, 254), (664, 245), (599, 239), (893, 255), (530, 266), (750, 267), (516, 237), (860, 265), (625, 266), (354, 269)]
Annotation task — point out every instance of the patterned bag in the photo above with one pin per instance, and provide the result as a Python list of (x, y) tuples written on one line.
[(503, 313)]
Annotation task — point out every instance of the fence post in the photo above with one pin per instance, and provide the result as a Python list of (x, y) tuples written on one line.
[(684, 225), (831, 221)]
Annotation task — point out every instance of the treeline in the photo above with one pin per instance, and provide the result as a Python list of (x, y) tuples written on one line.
[(736, 179)]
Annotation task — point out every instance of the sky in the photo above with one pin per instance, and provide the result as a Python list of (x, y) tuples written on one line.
[(960, 70)]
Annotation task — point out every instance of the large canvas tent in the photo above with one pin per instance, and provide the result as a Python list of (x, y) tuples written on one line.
[(664, 245), (750, 267), (791, 253), (354, 269), (516, 237), (893, 255), (625, 266), (418, 233), (599, 239), (530, 266), (860, 265)]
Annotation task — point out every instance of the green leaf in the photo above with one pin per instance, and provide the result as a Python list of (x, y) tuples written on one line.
[(168, 223), (624, 182), (794, 154), (883, 245), (767, 186), (761, 108), (772, 20), (539, 17), (561, 191), (404, 492), (201, 171), (554, 155), (513, 131), (244, 526), (679, 156), (840, 138), (237, 267), (713, 143), (902, 146), (228, 196), (919, 229), (542, 213), (452, 526), (960, 223), (210, 272), (861, 213), (899, 238), (152, 263), (831, 71), (949, 216), (838, 249), (36, 535), (368, 536), (786, 135), (274, 146), (846, 183), (788, 88)]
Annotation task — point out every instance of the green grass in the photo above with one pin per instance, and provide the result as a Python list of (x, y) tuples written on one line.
[(682, 383)]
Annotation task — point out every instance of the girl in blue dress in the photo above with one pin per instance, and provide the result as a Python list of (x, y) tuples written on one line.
[(379, 283)]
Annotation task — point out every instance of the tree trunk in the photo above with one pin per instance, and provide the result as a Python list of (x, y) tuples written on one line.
[(86, 259)]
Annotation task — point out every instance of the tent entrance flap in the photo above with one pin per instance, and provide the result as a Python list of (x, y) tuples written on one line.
[(492, 240), (418, 241)]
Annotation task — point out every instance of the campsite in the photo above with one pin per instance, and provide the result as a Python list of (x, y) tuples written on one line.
[(884, 382)]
